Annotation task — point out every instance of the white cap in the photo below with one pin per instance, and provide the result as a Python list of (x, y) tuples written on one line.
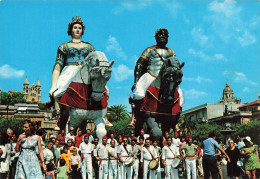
[(52, 136), (72, 129), (248, 139)]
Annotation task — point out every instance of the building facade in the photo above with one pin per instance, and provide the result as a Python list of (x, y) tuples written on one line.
[(207, 112), (33, 93)]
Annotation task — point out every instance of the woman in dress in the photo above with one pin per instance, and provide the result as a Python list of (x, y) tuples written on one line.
[(28, 166), (251, 161), (232, 169)]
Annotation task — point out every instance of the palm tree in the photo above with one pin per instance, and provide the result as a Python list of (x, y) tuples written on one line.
[(117, 112), (186, 125)]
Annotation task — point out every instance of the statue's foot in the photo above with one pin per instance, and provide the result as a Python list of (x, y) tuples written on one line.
[(108, 124), (131, 124)]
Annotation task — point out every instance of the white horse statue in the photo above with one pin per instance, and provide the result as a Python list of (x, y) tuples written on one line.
[(87, 96)]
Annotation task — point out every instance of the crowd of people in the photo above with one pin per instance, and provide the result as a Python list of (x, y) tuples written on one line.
[(78, 154)]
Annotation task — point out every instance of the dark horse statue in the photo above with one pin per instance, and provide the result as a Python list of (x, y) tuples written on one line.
[(161, 104)]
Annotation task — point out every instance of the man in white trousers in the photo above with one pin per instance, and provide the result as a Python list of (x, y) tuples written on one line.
[(159, 155), (134, 151), (101, 154), (123, 153), (113, 160), (148, 154), (170, 152), (86, 149), (190, 157)]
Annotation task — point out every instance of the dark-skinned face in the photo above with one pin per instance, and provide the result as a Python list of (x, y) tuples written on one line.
[(161, 38), (147, 143)]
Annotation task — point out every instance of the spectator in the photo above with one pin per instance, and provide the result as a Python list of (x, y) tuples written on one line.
[(90, 136), (61, 137), (78, 138), (63, 170), (48, 154), (232, 169), (70, 135), (4, 163), (175, 140), (57, 150), (142, 134), (209, 159), (240, 143), (50, 171), (75, 164), (14, 158), (112, 137), (65, 155), (251, 161)]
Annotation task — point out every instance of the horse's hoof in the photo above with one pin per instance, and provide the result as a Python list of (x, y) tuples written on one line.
[(109, 125), (56, 128)]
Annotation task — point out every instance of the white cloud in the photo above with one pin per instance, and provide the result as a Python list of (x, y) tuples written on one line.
[(200, 54), (241, 77), (246, 39), (193, 93), (173, 7), (227, 8), (246, 89), (122, 72), (131, 6), (198, 79), (114, 46), (225, 20), (8, 72), (199, 36)]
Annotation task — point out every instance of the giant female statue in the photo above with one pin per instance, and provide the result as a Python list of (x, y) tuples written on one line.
[(71, 57)]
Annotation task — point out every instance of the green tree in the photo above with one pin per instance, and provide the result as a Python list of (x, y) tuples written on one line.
[(17, 98), (12, 99), (117, 113), (186, 125), (13, 123)]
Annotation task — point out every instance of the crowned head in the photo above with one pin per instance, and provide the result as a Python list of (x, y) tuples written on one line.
[(75, 21)]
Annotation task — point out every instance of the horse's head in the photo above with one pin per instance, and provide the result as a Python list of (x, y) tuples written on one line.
[(170, 77), (100, 72)]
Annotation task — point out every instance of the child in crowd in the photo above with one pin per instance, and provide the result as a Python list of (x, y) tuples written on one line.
[(50, 171), (63, 170), (65, 155), (75, 164)]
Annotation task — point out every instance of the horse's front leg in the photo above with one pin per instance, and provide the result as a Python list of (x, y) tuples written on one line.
[(156, 132), (100, 126)]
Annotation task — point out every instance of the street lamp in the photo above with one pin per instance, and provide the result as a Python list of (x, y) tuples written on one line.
[(7, 109)]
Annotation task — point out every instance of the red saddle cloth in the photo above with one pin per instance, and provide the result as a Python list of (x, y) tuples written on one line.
[(152, 103), (78, 96)]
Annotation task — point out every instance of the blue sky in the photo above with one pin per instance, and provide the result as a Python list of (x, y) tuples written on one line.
[(217, 40)]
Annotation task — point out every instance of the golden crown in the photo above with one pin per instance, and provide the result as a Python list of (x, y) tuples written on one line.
[(76, 20)]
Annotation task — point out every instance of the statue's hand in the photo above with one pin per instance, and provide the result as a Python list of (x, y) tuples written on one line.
[(133, 87), (51, 91)]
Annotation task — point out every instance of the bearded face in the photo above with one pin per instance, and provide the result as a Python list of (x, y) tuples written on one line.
[(161, 37)]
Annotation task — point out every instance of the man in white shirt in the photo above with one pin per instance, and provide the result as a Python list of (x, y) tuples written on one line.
[(48, 154), (170, 152), (4, 164), (134, 151), (101, 154), (112, 160), (70, 135), (145, 136), (123, 153), (112, 137), (175, 140), (148, 154), (85, 150), (159, 154)]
